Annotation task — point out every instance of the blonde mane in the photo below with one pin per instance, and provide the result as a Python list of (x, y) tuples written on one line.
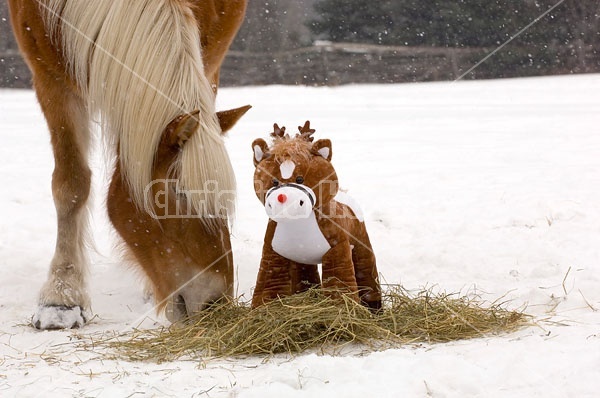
[(138, 65)]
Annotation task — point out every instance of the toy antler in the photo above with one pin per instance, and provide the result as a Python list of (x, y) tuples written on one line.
[(279, 132), (306, 132)]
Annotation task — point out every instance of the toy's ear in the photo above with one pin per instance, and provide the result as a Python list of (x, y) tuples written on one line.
[(181, 129), (228, 119), (322, 148), (261, 150)]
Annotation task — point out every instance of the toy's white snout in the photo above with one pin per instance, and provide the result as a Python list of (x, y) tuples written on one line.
[(289, 202)]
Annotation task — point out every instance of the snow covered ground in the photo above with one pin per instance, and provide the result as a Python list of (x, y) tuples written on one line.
[(490, 187)]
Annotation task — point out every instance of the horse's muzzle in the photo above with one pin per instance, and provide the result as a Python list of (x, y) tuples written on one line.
[(194, 296)]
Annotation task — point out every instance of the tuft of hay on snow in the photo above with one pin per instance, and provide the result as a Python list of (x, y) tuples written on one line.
[(315, 320)]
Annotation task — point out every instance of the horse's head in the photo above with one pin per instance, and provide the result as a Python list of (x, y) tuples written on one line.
[(294, 175), (198, 267), (188, 263)]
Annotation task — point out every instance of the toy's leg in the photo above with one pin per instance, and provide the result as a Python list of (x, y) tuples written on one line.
[(304, 277), (274, 279), (367, 278), (338, 270)]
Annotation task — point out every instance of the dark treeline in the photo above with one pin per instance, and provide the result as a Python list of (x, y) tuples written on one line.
[(541, 36), (459, 23), (276, 25)]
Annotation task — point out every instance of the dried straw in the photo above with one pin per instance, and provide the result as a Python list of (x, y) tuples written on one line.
[(315, 320)]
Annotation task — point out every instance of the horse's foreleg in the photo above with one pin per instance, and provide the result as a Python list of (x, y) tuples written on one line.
[(63, 299)]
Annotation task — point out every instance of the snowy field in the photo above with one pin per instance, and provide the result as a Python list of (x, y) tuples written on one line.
[(488, 187)]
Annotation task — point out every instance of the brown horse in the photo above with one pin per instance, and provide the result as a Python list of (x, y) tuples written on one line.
[(141, 68)]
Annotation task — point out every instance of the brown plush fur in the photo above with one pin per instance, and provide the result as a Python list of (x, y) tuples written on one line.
[(192, 245), (349, 265)]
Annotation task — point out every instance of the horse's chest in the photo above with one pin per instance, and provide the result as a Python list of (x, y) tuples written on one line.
[(300, 240)]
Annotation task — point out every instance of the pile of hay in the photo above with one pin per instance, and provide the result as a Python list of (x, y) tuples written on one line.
[(313, 320)]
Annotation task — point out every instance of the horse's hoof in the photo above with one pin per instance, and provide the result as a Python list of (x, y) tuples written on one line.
[(53, 317)]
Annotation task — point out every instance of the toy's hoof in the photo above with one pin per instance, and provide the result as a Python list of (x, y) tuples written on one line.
[(53, 317)]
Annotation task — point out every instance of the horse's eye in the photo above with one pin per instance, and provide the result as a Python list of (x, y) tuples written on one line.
[(275, 182), (299, 180)]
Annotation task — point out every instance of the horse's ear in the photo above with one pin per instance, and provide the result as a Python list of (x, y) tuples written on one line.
[(261, 150), (228, 119), (182, 128), (323, 148)]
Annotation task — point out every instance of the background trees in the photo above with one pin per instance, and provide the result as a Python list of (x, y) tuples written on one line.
[(357, 21), (566, 40), (562, 39), (275, 25), (459, 23)]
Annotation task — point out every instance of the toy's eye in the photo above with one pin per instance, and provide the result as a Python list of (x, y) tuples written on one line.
[(299, 180), (275, 182)]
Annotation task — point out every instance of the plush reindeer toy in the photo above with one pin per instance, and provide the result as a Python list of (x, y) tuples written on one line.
[(310, 223)]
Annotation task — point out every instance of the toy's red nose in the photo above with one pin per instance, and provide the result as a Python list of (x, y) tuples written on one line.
[(281, 198)]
